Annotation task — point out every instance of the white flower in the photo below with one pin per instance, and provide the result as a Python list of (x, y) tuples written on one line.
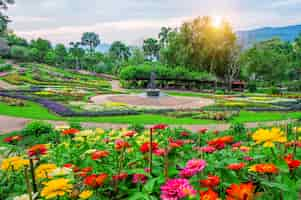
[(61, 171), (26, 197)]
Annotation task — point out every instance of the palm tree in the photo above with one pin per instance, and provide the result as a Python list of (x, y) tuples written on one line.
[(163, 36), (120, 51), (90, 39)]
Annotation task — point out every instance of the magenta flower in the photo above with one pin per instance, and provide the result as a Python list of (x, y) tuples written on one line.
[(248, 158), (237, 144), (208, 149), (176, 189), (192, 167), (139, 178)]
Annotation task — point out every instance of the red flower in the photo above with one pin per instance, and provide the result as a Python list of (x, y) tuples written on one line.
[(70, 131), (236, 166), (159, 127), (120, 145), (37, 150), (85, 171), (120, 177), (244, 191), (96, 155), (210, 182), (220, 143), (146, 147), (175, 143), (95, 180), (139, 178), (208, 195), (203, 130), (13, 139), (160, 152), (292, 164), (71, 166), (130, 134), (185, 134)]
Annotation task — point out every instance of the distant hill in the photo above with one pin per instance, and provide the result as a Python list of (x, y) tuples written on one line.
[(288, 33)]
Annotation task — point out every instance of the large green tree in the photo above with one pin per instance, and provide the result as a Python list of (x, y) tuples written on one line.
[(61, 52), (91, 40), (4, 20), (120, 51), (163, 36)]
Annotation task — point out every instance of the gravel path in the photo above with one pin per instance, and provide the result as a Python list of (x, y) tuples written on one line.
[(9, 124)]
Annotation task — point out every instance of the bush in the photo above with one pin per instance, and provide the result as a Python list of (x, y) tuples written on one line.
[(252, 87), (19, 53), (75, 125), (6, 68), (38, 128), (275, 90)]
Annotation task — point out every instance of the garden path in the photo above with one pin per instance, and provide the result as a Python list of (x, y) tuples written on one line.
[(9, 124)]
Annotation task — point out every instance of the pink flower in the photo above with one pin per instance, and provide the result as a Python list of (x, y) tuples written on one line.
[(208, 149), (237, 144), (176, 189), (248, 158), (139, 178), (160, 152), (192, 167)]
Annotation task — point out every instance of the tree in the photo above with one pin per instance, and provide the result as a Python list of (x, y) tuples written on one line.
[(42, 46), (163, 36), (4, 20), (120, 51), (61, 52), (137, 57), (151, 48), (50, 58), (233, 68), (13, 39), (77, 53), (90, 39), (20, 53)]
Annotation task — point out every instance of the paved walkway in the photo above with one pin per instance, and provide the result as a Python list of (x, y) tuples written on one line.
[(9, 124)]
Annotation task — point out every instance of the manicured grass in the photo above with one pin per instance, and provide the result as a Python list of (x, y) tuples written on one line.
[(36, 111)]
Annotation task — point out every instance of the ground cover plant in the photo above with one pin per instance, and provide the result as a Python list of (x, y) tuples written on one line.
[(155, 163)]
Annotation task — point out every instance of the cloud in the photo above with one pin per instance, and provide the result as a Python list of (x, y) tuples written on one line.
[(28, 19), (282, 3), (106, 29)]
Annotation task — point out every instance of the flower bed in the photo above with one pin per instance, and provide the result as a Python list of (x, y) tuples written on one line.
[(160, 163)]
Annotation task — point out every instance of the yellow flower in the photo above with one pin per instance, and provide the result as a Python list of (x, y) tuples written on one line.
[(86, 194), (86, 133), (99, 131), (14, 163), (56, 188), (297, 129), (269, 137), (45, 170), (61, 171)]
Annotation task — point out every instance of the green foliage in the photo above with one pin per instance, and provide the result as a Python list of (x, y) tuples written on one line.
[(20, 53), (75, 125), (162, 72), (38, 128), (6, 67), (90, 39)]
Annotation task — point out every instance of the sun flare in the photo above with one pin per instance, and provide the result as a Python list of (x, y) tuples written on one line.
[(217, 21)]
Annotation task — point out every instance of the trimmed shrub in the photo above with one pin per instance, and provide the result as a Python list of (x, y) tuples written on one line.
[(38, 128)]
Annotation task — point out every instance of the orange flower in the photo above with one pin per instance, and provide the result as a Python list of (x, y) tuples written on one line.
[(243, 191), (236, 166), (219, 143), (96, 155), (210, 182), (208, 195), (264, 168), (292, 164), (120, 144), (39, 149), (95, 180), (70, 131)]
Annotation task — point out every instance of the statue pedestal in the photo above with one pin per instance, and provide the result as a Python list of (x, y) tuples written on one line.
[(153, 92)]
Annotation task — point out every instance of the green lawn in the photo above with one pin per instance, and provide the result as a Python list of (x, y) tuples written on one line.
[(36, 111)]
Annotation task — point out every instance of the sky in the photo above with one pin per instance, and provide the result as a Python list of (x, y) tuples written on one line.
[(131, 21)]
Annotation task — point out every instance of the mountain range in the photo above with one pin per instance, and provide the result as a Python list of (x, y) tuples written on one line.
[(287, 33)]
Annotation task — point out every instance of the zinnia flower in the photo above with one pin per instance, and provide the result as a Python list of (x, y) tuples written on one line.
[(56, 188), (96, 155), (203, 130), (14, 163), (192, 167), (13, 139), (86, 194), (175, 143), (139, 178), (210, 182), (244, 191), (145, 148), (130, 134), (159, 127), (269, 137), (208, 149), (95, 180), (176, 189), (292, 164), (120, 177), (120, 145), (44, 170), (71, 131), (208, 195), (37, 150), (85, 171), (264, 168), (220, 143), (236, 166)]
